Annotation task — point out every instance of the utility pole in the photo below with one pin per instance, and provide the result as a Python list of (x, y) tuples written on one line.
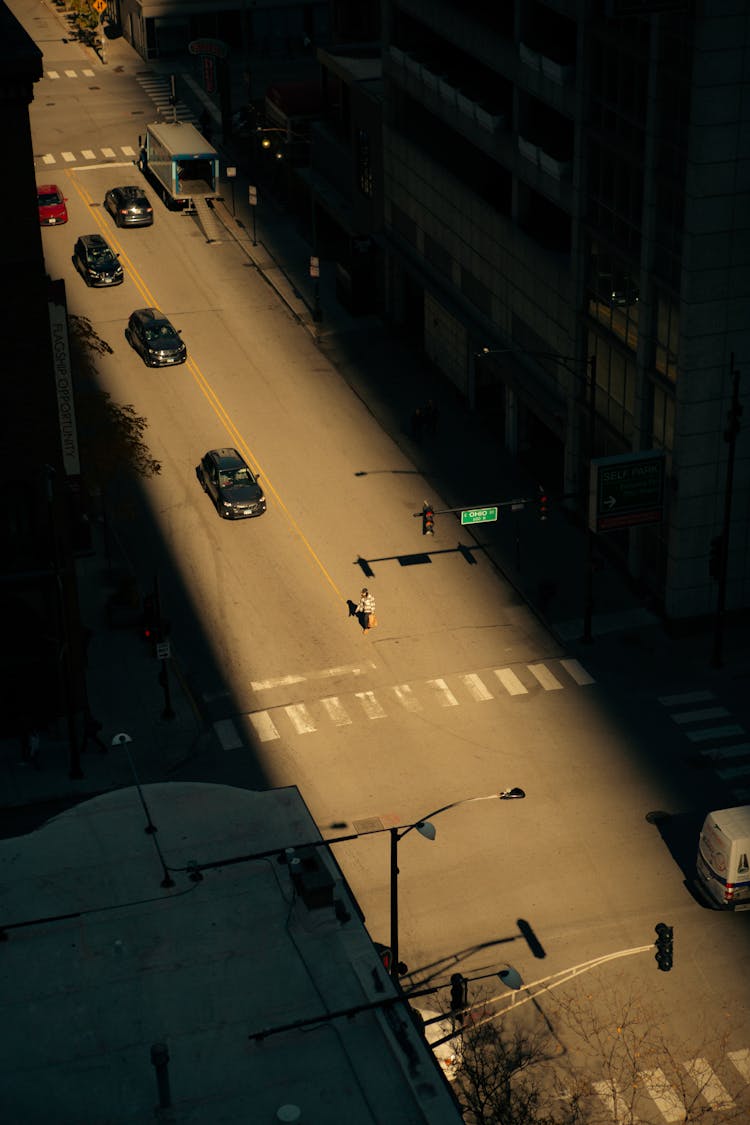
[(588, 599)]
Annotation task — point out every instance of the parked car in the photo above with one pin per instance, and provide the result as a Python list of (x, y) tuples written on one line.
[(96, 262), (154, 338), (229, 481), (51, 202), (129, 206)]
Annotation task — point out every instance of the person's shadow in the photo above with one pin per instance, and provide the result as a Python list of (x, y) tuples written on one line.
[(354, 612)]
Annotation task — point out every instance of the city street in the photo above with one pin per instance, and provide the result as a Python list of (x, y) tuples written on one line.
[(460, 692)]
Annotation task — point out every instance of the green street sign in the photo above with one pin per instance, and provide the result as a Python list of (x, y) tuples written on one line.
[(626, 491), (478, 515)]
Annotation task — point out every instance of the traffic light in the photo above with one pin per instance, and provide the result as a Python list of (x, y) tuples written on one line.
[(715, 557), (150, 618), (543, 503), (385, 955), (428, 519), (459, 994), (664, 945)]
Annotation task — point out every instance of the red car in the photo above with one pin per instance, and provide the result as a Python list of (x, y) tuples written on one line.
[(52, 209)]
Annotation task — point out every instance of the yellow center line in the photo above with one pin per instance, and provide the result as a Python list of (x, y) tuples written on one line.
[(205, 387)]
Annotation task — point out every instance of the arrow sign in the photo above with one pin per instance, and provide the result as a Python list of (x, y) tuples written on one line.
[(626, 491)]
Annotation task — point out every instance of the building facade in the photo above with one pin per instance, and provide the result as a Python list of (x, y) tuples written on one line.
[(567, 222)]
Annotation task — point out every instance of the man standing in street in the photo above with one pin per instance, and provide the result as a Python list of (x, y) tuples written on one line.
[(366, 610)]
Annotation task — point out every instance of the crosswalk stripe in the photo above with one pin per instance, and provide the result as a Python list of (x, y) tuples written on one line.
[(741, 1061), (511, 682), (698, 716), (542, 674), (406, 697), (48, 158), (577, 672), (300, 718), (707, 1081), (336, 711), (68, 157), (88, 73), (89, 153), (263, 726), (70, 74), (227, 734), (445, 696), (476, 688), (108, 152), (662, 1094), (724, 753), (733, 772), (52, 74), (688, 697), (370, 705), (714, 732), (614, 1103), (127, 150)]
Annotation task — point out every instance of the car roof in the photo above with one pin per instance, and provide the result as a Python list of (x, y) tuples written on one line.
[(228, 458), (96, 241), (148, 315), (132, 190), (47, 189)]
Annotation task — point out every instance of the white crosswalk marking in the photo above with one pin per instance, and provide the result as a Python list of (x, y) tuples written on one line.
[(445, 696), (688, 697), (741, 1060), (336, 711), (406, 697), (88, 153), (370, 705), (48, 158), (52, 74), (70, 74), (723, 753), (263, 726), (577, 672), (733, 772), (88, 73), (127, 150), (662, 1094), (476, 688), (300, 718), (108, 152), (698, 716), (227, 734), (542, 674), (511, 682), (611, 1095), (68, 157), (707, 1081), (714, 732)]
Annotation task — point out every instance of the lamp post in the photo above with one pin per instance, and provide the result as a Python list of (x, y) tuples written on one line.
[(426, 829)]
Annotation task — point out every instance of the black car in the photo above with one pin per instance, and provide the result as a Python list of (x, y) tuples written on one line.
[(154, 338), (96, 262), (226, 477), (129, 206)]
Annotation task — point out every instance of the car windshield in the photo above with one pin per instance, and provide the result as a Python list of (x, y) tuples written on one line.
[(101, 257), (159, 331), (230, 477), (49, 198)]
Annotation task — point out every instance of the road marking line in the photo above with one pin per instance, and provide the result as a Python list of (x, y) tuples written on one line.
[(577, 672), (227, 734), (476, 688), (714, 732), (48, 158), (341, 670), (280, 681), (542, 674), (689, 697), (721, 754), (88, 73), (336, 711), (68, 157), (614, 1103), (88, 153), (127, 150), (300, 718), (662, 1094), (707, 1081), (263, 726), (108, 152), (446, 698), (697, 716), (70, 74), (733, 772), (511, 682), (52, 74), (370, 705), (406, 697), (741, 1061)]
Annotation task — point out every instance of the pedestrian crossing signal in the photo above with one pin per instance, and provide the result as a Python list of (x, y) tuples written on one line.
[(664, 946), (428, 519)]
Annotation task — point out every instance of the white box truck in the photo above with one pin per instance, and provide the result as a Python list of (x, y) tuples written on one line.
[(723, 855), (180, 163)]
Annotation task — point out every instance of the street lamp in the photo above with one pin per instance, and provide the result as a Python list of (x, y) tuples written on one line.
[(426, 829)]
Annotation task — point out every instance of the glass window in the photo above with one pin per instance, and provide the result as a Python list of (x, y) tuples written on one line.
[(667, 331)]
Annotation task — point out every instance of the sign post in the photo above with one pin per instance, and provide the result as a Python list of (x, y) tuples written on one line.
[(231, 173), (252, 198)]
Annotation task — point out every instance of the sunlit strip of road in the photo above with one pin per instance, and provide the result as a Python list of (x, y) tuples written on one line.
[(202, 382)]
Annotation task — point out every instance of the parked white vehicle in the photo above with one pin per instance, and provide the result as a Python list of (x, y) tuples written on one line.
[(723, 855)]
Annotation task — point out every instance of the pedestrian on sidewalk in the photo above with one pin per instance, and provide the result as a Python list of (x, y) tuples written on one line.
[(366, 610)]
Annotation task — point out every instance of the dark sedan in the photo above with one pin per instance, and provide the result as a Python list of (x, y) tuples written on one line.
[(96, 262), (129, 206), (154, 338), (227, 478)]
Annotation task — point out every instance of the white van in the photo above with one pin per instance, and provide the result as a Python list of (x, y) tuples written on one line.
[(723, 855)]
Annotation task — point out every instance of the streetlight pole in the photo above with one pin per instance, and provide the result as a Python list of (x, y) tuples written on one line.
[(426, 829)]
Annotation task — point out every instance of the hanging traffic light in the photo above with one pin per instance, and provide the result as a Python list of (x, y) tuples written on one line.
[(715, 557), (664, 946), (428, 519), (459, 994), (543, 504), (150, 618)]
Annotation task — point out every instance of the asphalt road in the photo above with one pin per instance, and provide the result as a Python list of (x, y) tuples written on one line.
[(460, 692)]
